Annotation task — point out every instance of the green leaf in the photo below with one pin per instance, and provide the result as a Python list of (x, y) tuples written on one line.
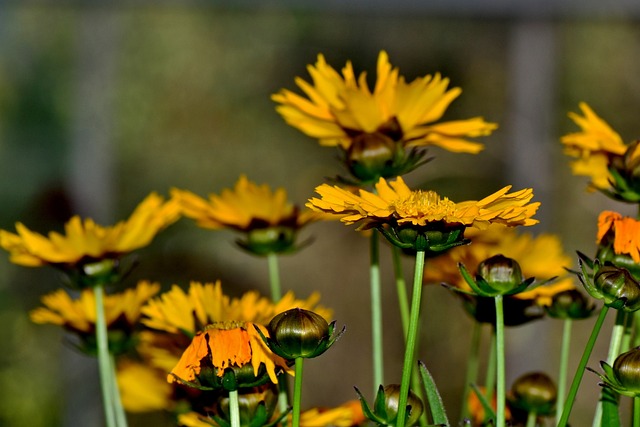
[(436, 405)]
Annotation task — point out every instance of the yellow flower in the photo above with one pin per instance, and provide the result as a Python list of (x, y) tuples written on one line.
[(625, 232), (601, 154), (142, 388), (85, 241), (177, 311), (340, 109), (396, 203), (346, 415), (122, 310), (225, 345), (269, 220)]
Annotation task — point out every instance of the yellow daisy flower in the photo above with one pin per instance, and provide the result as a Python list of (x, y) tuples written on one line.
[(403, 215), (339, 108), (122, 312), (270, 220), (593, 146), (86, 242), (177, 311), (225, 345)]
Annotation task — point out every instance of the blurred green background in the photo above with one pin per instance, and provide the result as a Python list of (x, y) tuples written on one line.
[(102, 103)]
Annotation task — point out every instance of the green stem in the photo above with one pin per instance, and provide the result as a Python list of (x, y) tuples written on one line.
[(531, 419), (473, 361), (412, 336), (276, 295), (636, 325), (564, 363), (401, 288), (617, 333), (274, 277), (104, 362), (636, 412), (376, 312), (490, 380), (121, 416), (575, 384), (234, 408), (500, 363), (297, 392)]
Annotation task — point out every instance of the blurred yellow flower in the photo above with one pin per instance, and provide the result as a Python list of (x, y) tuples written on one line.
[(85, 241), (624, 231), (346, 415), (122, 310), (143, 388), (340, 109), (177, 311), (593, 147), (227, 345), (245, 207), (395, 202)]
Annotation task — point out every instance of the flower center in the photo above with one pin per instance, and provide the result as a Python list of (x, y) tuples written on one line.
[(226, 325), (423, 203)]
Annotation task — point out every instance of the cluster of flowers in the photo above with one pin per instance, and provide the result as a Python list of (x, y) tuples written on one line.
[(209, 359)]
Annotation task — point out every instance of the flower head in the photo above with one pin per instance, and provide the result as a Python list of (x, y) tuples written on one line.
[(177, 311), (601, 155), (122, 312), (620, 233), (86, 242), (346, 415), (268, 218), (217, 355), (142, 388), (624, 376), (404, 215), (534, 392), (373, 127)]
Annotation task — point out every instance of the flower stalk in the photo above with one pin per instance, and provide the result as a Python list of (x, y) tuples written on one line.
[(412, 336), (234, 408), (500, 363), (107, 380), (376, 311), (575, 384), (564, 363), (297, 391)]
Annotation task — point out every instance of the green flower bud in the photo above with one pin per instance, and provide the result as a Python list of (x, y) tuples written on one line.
[(618, 288), (263, 241), (256, 406), (627, 370), (570, 304), (624, 376), (500, 272), (300, 333), (497, 275), (104, 272), (385, 411), (370, 156), (534, 392)]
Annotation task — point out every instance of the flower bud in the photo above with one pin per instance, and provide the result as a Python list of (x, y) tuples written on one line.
[(386, 406), (300, 333), (618, 288), (626, 368), (534, 392), (370, 156), (263, 241), (501, 273), (256, 406), (570, 304)]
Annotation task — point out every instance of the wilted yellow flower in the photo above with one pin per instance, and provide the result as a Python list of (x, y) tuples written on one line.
[(340, 110), (187, 312), (395, 202), (225, 345), (143, 388), (346, 415), (122, 310), (86, 242), (623, 231)]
